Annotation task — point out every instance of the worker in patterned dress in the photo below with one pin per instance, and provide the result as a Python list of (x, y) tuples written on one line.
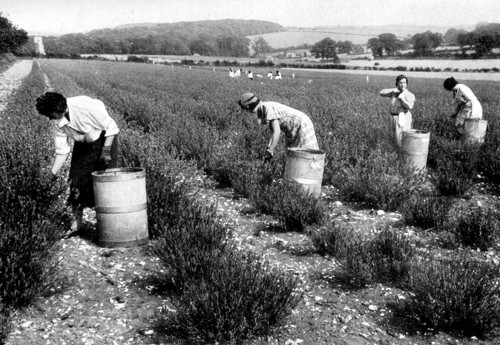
[(467, 104), (297, 126), (85, 121)]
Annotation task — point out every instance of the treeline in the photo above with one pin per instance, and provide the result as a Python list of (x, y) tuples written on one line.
[(12, 39), (328, 49), (481, 40), (209, 38)]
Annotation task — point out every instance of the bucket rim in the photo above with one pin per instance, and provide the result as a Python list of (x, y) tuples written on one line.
[(118, 171), (475, 120), (416, 131), (305, 150)]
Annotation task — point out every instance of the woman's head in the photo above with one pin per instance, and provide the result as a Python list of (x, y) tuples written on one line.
[(249, 101), (450, 83), (50, 103), (401, 82)]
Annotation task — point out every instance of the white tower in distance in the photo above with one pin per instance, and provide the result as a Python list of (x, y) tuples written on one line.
[(39, 45)]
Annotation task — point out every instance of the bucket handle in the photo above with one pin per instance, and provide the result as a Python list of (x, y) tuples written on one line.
[(325, 160)]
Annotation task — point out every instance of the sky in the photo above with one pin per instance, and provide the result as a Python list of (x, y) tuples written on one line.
[(57, 17)]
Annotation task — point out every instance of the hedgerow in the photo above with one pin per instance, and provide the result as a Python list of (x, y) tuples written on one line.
[(32, 211)]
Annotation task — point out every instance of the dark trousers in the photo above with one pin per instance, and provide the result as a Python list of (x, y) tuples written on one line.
[(85, 160)]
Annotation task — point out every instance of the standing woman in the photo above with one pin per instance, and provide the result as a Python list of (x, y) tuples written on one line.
[(467, 105), (96, 147), (402, 101), (298, 128)]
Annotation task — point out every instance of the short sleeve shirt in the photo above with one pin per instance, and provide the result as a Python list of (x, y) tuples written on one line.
[(396, 105), (88, 117)]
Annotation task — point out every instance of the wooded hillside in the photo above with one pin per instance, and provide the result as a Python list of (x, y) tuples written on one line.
[(211, 37)]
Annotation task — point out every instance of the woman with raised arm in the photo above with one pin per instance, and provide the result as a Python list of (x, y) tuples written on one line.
[(402, 101)]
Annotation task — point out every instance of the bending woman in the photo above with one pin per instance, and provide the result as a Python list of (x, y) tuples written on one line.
[(297, 126), (467, 105), (87, 122)]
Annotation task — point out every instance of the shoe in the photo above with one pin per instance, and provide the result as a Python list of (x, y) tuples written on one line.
[(76, 225)]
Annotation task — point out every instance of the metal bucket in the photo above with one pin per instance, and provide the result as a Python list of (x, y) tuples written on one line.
[(304, 167), (121, 207), (475, 130), (415, 147)]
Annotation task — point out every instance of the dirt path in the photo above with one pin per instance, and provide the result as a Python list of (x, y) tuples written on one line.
[(11, 79)]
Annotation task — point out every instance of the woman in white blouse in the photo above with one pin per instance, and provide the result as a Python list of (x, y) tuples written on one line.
[(87, 122), (467, 104), (402, 101)]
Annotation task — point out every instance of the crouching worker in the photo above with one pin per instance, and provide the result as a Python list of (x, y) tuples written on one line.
[(298, 128), (467, 105), (96, 147)]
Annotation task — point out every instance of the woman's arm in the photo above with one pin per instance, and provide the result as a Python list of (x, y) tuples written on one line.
[(109, 140), (389, 92), (274, 125), (458, 109), (58, 162), (406, 99)]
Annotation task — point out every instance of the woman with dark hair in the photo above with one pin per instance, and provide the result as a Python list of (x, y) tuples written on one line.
[(402, 101), (297, 126), (467, 105), (96, 147)]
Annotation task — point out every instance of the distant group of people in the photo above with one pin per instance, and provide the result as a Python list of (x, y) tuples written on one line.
[(467, 105), (250, 74), (235, 74), (277, 76)]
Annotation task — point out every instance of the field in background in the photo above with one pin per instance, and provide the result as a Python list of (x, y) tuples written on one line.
[(423, 63), (357, 35)]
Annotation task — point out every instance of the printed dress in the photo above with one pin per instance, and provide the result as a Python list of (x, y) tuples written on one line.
[(297, 127)]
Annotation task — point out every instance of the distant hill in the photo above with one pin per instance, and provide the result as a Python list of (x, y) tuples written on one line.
[(213, 28), (128, 26), (294, 36), (227, 37)]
